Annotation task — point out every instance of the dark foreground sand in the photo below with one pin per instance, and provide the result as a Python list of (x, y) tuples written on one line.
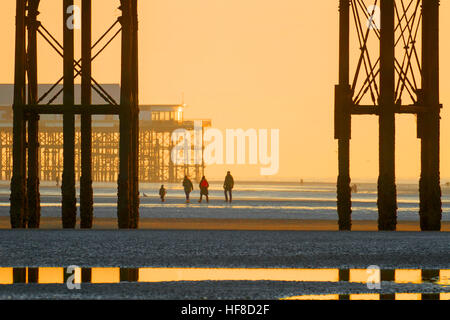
[(209, 290), (233, 224), (211, 248), (219, 249)]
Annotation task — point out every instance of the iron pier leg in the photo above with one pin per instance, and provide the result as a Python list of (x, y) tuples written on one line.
[(18, 202), (69, 208), (135, 122), (430, 190), (125, 145), (34, 206), (86, 192), (387, 193), (343, 119)]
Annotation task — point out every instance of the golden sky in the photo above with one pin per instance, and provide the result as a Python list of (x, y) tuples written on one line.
[(246, 64)]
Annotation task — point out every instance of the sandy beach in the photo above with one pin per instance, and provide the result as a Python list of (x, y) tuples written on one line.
[(231, 224), (266, 227)]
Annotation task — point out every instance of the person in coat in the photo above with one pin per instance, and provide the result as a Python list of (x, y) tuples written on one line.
[(188, 187), (162, 193), (204, 185), (228, 186)]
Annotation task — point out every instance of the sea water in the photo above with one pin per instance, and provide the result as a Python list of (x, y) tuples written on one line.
[(251, 200)]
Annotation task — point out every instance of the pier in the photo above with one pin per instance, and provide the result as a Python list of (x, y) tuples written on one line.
[(396, 73), (25, 203)]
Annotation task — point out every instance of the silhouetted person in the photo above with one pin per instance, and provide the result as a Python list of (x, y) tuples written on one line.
[(228, 186), (162, 193), (57, 181), (188, 188), (204, 185)]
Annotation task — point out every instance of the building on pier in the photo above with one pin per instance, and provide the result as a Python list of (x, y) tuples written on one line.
[(157, 122)]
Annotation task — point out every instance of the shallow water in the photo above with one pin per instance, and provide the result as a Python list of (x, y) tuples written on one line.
[(73, 275), (54, 275), (251, 200), (374, 296)]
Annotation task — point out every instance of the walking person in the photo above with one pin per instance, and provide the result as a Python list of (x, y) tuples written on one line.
[(188, 187), (162, 193), (228, 186), (204, 185)]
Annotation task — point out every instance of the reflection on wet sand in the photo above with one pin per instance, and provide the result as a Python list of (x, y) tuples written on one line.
[(46, 275), (374, 296)]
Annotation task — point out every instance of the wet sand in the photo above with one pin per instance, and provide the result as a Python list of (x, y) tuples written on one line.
[(224, 249), (205, 290), (232, 224), (219, 249)]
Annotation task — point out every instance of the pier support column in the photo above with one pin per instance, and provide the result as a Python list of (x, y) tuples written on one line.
[(429, 123), (128, 184), (135, 115), (34, 206), (343, 119), (18, 199), (69, 208), (19, 275), (387, 193), (129, 274), (86, 192), (171, 164), (124, 206)]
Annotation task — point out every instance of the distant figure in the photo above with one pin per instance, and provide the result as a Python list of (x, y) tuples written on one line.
[(354, 188), (188, 188), (228, 186), (204, 185), (301, 181), (162, 193), (57, 181)]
